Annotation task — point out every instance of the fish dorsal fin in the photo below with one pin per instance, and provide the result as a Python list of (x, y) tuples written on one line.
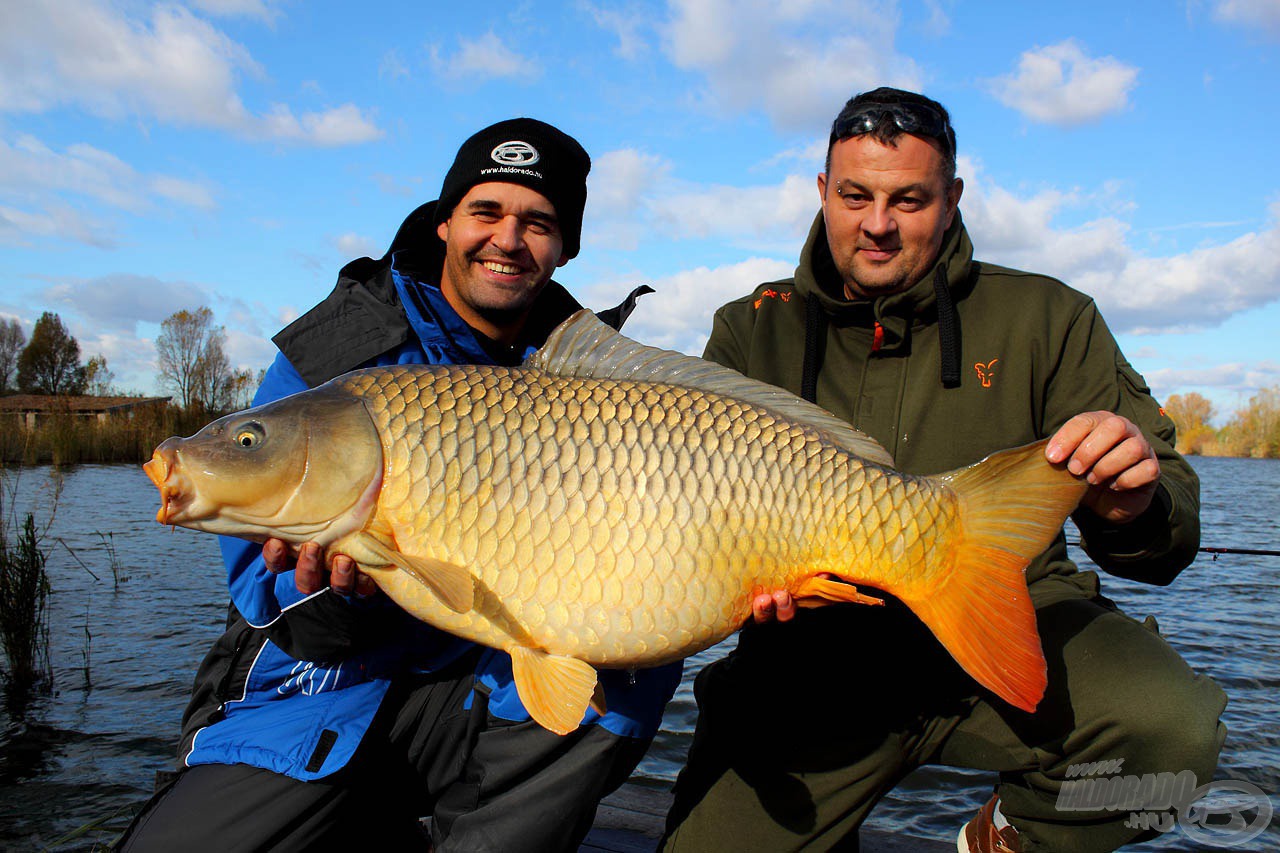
[(582, 346)]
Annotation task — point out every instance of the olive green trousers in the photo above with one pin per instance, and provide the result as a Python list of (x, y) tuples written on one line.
[(807, 725)]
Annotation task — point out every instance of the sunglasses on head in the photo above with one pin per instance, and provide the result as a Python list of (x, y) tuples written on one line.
[(915, 119)]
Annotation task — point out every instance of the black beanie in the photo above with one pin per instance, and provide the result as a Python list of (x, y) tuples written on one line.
[(528, 152)]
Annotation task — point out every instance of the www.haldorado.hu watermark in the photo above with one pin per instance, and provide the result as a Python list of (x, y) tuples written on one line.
[(1226, 813)]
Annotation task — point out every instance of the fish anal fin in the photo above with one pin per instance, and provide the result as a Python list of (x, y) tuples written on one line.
[(556, 690), (598, 703), (818, 591), (449, 582)]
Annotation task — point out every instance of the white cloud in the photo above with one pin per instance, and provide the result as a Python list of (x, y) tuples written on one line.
[(397, 186), (56, 220), (1137, 293), (248, 350), (392, 66), (260, 9), (122, 300), (174, 68), (1061, 84), (351, 245), (344, 125), (618, 189), (626, 23), (779, 212), (485, 58), (938, 23), (632, 195), (30, 169), (1255, 14), (678, 315), (798, 61)]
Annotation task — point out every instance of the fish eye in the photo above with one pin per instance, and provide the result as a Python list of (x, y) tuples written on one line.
[(250, 435)]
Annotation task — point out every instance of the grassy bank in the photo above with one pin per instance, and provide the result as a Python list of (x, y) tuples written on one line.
[(63, 439)]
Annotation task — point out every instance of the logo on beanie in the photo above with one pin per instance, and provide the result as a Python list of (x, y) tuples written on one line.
[(515, 153)]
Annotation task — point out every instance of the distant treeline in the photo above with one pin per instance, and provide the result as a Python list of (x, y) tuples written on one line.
[(1253, 431), (66, 439)]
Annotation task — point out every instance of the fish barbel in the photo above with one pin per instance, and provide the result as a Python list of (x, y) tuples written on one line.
[(618, 506)]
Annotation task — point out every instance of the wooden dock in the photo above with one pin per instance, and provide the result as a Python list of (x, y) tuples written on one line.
[(631, 819)]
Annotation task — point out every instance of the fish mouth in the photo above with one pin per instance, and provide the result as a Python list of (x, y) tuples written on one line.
[(161, 471)]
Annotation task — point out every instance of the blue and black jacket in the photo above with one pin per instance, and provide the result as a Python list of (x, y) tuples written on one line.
[(294, 683)]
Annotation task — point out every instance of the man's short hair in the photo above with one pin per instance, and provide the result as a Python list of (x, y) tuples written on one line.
[(886, 113)]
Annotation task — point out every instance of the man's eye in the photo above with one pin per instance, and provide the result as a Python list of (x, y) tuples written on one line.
[(910, 203)]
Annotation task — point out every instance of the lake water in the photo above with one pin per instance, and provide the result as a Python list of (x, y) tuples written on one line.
[(85, 757)]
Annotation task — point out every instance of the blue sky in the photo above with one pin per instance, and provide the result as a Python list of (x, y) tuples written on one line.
[(235, 153)]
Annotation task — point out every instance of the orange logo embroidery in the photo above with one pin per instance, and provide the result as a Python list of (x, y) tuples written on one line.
[(785, 296), (986, 371)]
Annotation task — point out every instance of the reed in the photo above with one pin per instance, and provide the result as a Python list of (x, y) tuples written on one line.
[(24, 614), (65, 439)]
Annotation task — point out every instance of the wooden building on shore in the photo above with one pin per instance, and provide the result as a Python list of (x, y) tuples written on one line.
[(27, 409)]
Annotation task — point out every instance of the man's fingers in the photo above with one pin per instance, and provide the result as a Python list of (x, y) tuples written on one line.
[(775, 606), (1127, 464), (762, 608), (275, 553), (365, 586), (342, 574), (1067, 439), (308, 576)]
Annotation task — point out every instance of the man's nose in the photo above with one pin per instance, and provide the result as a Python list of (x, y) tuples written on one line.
[(879, 219), (508, 235)]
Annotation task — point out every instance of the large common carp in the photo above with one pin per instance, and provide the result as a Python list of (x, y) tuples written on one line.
[(614, 505)]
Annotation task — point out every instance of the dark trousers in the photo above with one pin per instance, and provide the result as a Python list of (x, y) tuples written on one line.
[(487, 784), (800, 734)]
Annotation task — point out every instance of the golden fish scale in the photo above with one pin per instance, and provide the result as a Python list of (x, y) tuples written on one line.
[(622, 523)]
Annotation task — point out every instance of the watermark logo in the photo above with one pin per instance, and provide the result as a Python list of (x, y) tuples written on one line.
[(1226, 813)]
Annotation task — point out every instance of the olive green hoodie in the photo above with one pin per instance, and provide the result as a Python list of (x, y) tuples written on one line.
[(1032, 354)]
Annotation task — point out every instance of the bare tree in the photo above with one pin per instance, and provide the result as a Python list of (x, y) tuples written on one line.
[(50, 362), (97, 376), (192, 360), (244, 384), (12, 342)]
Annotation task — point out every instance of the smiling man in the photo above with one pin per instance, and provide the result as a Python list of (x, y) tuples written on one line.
[(891, 324), (328, 719)]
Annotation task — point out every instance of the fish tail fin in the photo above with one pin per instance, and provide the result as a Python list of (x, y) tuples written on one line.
[(1011, 507)]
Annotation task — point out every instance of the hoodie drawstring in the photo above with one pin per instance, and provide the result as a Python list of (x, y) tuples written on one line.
[(815, 327), (948, 331)]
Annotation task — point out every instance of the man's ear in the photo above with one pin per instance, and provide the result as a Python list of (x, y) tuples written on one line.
[(443, 230), (953, 199), (564, 259), (822, 186)]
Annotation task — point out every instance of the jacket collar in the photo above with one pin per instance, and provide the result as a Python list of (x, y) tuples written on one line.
[(816, 277)]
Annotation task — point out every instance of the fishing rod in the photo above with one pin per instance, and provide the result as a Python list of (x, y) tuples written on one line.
[(1258, 552)]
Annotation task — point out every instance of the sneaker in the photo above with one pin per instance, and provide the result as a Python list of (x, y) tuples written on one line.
[(981, 834)]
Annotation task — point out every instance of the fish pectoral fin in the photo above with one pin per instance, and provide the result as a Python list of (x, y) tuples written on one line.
[(555, 689), (449, 582), (819, 591)]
